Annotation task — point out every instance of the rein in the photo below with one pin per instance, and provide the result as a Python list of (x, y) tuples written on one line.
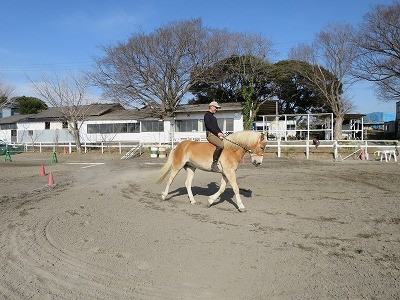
[(237, 144)]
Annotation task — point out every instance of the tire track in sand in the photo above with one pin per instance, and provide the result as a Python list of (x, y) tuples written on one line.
[(37, 267)]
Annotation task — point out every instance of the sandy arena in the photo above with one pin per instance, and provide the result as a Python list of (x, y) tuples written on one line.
[(313, 229)]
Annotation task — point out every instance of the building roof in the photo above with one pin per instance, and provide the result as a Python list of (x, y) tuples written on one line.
[(269, 107), (84, 110), (97, 112), (353, 116), (92, 110), (13, 119), (379, 117), (125, 114)]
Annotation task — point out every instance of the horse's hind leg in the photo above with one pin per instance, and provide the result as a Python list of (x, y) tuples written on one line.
[(174, 172), (188, 182), (215, 196)]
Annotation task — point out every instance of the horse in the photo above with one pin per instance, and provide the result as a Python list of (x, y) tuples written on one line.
[(192, 155)]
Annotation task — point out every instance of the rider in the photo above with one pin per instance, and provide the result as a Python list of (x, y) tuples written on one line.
[(214, 133)]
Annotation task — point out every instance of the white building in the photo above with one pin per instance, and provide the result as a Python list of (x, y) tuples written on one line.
[(113, 123)]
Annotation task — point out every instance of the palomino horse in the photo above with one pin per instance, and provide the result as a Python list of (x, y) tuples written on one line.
[(192, 155)]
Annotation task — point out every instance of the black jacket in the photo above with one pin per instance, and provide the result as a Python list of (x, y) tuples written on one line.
[(211, 124)]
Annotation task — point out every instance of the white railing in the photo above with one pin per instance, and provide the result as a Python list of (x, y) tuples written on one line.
[(69, 147), (340, 149)]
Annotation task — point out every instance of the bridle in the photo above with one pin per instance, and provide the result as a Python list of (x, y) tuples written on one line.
[(251, 152)]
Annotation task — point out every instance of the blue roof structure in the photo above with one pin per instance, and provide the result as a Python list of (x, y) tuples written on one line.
[(379, 117)]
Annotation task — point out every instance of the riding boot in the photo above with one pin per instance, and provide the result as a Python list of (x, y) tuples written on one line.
[(216, 155)]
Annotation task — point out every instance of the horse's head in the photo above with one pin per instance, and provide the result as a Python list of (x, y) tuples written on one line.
[(250, 141), (257, 151)]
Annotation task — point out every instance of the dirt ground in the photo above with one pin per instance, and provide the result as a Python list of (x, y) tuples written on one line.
[(313, 229)]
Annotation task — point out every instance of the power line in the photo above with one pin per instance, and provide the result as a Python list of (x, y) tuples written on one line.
[(45, 66)]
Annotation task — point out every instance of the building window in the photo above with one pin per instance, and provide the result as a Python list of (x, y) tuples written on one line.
[(152, 126), (46, 125), (8, 126), (221, 124), (65, 125), (120, 128), (133, 127), (225, 125), (113, 128), (106, 128), (201, 126), (229, 125), (30, 132), (187, 125), (92, 128)]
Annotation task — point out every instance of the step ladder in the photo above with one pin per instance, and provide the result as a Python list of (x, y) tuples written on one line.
[(133, 152)]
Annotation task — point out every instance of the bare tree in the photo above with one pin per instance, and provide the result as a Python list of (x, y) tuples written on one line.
[(69, 96), (158, 69), (5, 92), (331, 57), (379, 60)]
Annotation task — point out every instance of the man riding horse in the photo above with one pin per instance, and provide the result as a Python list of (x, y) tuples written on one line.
[(214, 133)]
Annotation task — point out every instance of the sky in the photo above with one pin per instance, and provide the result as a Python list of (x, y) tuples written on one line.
[(39, 37)]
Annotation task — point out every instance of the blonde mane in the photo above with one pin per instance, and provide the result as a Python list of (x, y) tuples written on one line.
[(246, 138)]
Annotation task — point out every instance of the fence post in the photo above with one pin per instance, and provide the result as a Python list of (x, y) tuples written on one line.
[(366, 151), (40, 147), (120, 148), (102, 147), (279, 147), (335, 149), (308, 149)]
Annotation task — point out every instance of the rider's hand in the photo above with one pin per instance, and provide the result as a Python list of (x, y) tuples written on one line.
[(221, 135)]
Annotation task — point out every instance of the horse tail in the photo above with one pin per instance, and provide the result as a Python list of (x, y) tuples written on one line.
[(166, 168)]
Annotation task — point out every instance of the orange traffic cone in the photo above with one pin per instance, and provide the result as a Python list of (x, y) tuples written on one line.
[(51, 179), (43, 171)]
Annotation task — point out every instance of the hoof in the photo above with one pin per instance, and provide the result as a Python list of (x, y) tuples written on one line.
[(163, 197), (191, 199), (242, 209)]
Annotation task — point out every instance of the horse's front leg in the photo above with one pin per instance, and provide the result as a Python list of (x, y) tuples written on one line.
[(222, 187), (188, 183), (232, 180)]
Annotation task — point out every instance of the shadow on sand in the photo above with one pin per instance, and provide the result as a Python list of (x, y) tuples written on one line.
[(228, 195)]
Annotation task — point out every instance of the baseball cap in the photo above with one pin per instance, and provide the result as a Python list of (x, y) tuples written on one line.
[(214, 103)]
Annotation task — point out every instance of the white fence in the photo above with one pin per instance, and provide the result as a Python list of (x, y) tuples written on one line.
[(296, 126), (340, 149), (69, 147)]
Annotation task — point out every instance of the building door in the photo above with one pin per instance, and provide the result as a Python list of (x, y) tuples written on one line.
[(13, 135)]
